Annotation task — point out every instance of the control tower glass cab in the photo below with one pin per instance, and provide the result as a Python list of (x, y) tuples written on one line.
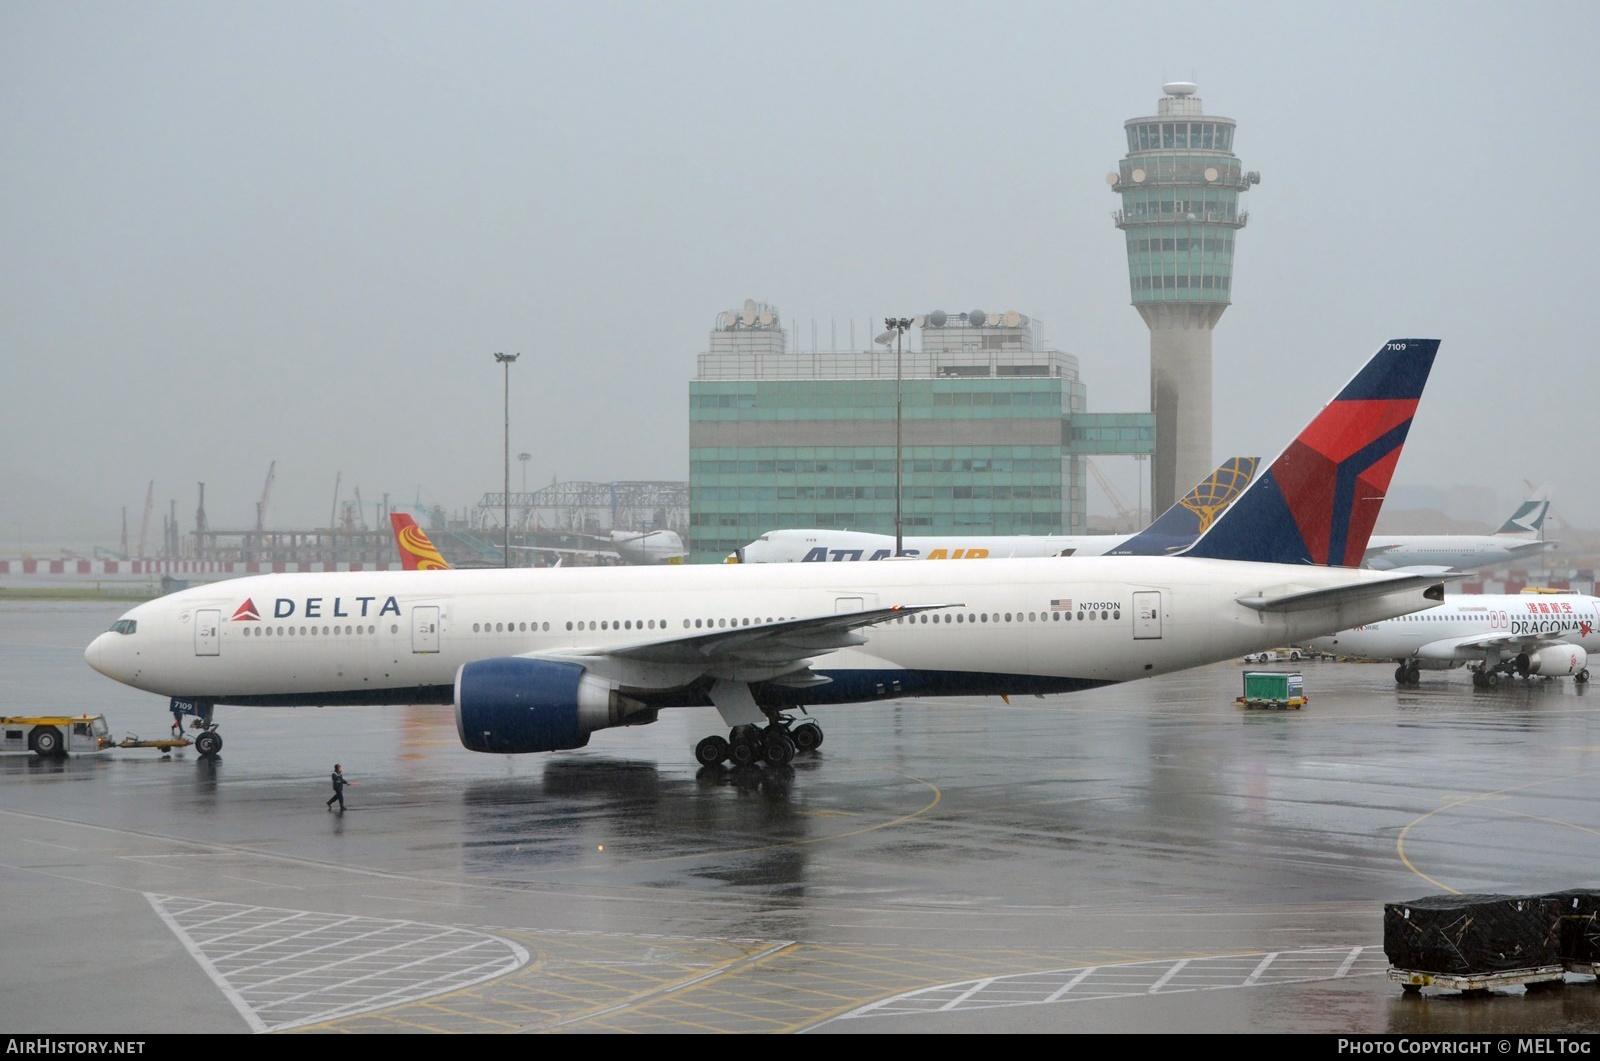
[(1180, 184)]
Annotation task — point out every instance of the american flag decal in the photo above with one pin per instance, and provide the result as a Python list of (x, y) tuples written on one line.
[(1061, 605)]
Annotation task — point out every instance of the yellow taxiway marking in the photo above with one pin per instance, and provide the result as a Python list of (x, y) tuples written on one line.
[(1461, 801)]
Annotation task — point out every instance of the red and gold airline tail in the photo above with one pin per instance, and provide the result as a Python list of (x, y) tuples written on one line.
[(417, 553)]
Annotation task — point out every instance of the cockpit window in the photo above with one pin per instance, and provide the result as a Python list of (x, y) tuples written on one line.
[(124, 626)]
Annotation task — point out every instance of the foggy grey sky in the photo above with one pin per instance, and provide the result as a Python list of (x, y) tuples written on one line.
[(244, 232)]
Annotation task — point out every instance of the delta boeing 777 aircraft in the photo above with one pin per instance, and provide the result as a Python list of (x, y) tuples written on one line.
[(537, 660)]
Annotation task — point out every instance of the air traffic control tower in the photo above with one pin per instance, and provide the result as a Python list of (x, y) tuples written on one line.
[(1180, 185)]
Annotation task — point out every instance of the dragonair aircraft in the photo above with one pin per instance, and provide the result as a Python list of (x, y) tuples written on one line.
[(1525, 634), (537, 660), (1176, 529)]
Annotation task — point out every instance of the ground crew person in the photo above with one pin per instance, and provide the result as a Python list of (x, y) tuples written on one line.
[(338, 788), (177, 720)]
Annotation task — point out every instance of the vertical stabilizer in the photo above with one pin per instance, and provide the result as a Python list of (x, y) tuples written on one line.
[(1528, 520), (417, 552), (1180, 525), (1317, 503)]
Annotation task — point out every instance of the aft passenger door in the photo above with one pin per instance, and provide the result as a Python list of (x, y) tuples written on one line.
[(1147, 615), (425, 629), (208, 632)]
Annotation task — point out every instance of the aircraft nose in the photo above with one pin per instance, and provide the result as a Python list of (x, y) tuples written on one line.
[(101, 655)]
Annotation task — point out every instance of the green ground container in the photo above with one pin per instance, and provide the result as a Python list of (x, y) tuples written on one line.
[(1273, 687)]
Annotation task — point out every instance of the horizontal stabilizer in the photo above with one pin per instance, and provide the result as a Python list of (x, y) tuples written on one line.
[(1305, 600)]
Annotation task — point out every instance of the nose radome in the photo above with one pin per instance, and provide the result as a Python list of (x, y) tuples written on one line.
[(95, 654)]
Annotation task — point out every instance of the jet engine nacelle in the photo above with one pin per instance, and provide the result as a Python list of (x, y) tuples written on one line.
[(512, 704), (1555, 660)]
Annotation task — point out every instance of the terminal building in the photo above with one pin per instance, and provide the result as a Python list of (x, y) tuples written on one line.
[(994, 432), (1180, 184)]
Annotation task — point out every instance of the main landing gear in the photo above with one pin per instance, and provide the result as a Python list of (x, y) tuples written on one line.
[(1407, 674), (775, 744)]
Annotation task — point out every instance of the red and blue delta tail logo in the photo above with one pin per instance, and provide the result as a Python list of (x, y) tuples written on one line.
[(247, 610), (1318, 501)]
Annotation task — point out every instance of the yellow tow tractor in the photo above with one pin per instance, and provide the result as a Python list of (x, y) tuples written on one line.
[(49, 736)]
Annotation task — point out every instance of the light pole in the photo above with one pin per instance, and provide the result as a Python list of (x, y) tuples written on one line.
[(505, 520), (897, 328)]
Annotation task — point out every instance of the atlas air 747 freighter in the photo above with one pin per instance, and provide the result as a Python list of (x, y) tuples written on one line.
[(1173, 531), (537, 660)]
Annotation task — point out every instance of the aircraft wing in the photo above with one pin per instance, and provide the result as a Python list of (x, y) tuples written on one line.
[(758, 652), (1472, 646), (564, 551), (1529, 547), (1292, 600)]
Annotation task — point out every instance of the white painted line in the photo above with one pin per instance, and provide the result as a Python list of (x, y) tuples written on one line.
[(1174, 971), (256, 1024), (380, 962), (1070, 984), (1355, 952), (968, 993), (1255, 974)]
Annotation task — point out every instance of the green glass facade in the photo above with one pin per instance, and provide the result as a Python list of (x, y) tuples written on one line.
[(961, 486), (993, 434)]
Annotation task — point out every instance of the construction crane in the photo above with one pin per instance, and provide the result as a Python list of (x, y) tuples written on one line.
[(1126, 517), (144, 525), (266, 492)]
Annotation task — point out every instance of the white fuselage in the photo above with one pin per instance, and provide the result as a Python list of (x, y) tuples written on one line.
[(832, 546), (1463, 552), (1011, 625), (1450, 632)]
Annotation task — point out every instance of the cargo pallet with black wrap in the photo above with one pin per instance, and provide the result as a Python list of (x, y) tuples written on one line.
[(1477, 943)]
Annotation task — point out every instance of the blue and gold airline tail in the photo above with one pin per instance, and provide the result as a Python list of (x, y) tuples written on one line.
[(1178, 527), (417, 552), (1318, 501)]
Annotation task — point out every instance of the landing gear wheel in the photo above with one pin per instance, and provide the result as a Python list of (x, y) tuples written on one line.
[(807, 736), (711, 751), (45, 741), (208, 743), (1582, 677), (744, 749), (1413, 674), (777, 749), (1490, 679), (1400, 674)]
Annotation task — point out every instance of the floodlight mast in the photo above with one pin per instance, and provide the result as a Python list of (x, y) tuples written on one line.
[(505, 519), (896, 330)]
